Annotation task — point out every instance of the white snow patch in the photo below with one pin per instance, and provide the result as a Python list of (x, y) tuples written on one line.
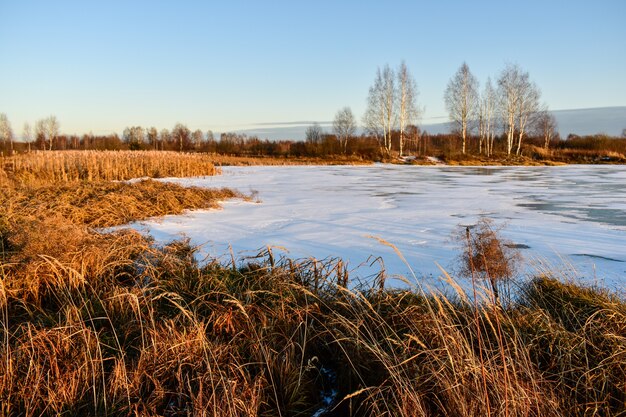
[(434, 160)]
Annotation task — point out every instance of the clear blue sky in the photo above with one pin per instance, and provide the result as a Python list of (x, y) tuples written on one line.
[(222, 65)]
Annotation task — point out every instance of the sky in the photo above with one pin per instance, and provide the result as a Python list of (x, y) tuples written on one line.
[(233, 65)]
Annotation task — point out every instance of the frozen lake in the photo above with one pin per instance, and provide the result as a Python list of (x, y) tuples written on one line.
[(569, 218)]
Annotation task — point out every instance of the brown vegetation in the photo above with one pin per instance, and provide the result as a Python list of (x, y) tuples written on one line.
[(595, 149), (598, 149), (487, 256), (227, 160), (108, 166), (107, 324), (104, 204), (150, 332), (239, 149)]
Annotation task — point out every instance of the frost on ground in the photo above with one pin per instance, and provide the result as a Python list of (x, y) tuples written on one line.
[(571, 218)]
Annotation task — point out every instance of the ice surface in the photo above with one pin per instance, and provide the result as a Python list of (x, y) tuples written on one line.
[(572, 218)]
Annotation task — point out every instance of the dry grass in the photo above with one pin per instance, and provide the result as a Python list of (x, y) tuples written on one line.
[(586, 156), (104, 204), (104, 165), (107, 324), (153, 333)]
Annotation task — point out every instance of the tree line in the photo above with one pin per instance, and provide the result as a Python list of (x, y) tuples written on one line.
[(514, 106), (318, 143), (499, 119), (512, 109), (46, 136)]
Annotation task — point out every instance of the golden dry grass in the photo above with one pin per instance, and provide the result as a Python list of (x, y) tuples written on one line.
[(565, 155), (104, 204), (150, 332), (104, 165), (108, 324)]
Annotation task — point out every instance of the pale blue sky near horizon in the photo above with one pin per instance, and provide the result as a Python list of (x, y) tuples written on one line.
[(102, 66)]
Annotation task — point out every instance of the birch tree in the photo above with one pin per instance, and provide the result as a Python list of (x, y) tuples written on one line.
[(344, 126), (488, 105), (52, 129), (47, 130), (546, 127), (529, 95), (461, 98), (134, 137), (6, 133), (164, 137), (407, 97), (380, 116), (482, 126), (197, 137), (27, 134), (374, 117), (40, 134), (182, 135), (509, 82), (153, 137), (389, 100)]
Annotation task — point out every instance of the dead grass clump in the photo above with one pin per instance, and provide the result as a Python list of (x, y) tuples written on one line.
[(579, 341), (424, 358), (593, 156), (105, 204), (183, 371), (487, 256), (69, 258), (4, 178), (53, 370)]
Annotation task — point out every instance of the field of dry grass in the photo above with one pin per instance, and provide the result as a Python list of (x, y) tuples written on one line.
[(104, 204), (104, 165), (68, 166), (98, 324), (577, 156)]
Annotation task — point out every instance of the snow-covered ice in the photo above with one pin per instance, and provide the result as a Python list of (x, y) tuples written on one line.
[(571, 218)]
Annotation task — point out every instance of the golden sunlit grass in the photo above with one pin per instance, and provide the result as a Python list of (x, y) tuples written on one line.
[(105, 165), (576, 155), (108, 324), (103, 204)]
